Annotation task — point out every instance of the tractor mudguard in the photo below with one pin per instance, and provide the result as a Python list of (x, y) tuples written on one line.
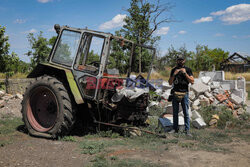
[(60, 72)]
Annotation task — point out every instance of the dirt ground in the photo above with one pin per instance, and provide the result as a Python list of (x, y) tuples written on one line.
[(30, 151), (24, 150)]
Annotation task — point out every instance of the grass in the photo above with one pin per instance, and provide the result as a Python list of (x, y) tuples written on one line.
[(234, 76), (248, 90), (68, 138), (96, 146), (7, 130), (102, 161), (15, 76)]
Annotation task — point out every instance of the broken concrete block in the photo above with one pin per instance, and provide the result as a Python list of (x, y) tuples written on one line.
[(205, 102), (199, 123), (208, 95), (215, 75), (229, 84), (225, 86), (240, 111), (218, 91), (191, 95), (19, 96), (241, 83), (201, 97), (7, 97), (206, 79), (195, 105), (158, 91), (190, 114), (195, 115), (166, 94), (153, 103), (166, 123), (2, 103), (196, 102), (1, 93), (236, 99), (215, 85), (248, 110), (199, 88), (166, 86)]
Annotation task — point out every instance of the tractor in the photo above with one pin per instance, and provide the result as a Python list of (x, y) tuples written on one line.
[(87, 72)]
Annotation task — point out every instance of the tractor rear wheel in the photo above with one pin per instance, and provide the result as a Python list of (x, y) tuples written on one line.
[(47, 108)]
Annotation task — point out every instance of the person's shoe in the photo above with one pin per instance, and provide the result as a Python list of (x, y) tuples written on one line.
[(173, 131), (188, 134)]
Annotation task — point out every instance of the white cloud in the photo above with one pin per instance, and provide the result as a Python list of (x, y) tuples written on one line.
[(51, 29), (44, 1), (203, 19), (234, 36), (182, 32), (219, 35), (117, 21), (19, 21), (234, 14), (30, 31), (162, 31)]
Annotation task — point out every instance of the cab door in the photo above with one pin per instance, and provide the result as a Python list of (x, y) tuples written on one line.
[(89, 63)]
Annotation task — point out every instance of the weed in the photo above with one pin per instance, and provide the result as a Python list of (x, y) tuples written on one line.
[(186, 145), (172, 141), (7, 130), (97, 146), (68, 138), (245, 137), (8, 126), (113, 158), (226, 117), (101, 161), (109, 134)]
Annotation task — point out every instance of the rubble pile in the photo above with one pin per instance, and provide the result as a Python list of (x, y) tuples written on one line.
[(10, 105), (209, 89)]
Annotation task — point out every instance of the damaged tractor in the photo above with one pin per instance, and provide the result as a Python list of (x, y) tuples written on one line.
[(88, 71)]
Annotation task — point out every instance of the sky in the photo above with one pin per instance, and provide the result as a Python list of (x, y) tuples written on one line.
[(216, 23)]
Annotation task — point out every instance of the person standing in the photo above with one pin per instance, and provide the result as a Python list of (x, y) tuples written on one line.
[(180, 77)]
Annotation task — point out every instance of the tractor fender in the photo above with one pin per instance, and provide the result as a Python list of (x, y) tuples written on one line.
[(61, 73)]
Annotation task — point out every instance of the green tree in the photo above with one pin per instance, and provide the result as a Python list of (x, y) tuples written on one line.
[(4, 49), (169, 58), (143, 19), (39, 48)]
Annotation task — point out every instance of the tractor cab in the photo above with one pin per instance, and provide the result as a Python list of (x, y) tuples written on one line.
[(99, 60)]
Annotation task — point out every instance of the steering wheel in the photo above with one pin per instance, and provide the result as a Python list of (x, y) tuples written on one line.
[(95, 63)]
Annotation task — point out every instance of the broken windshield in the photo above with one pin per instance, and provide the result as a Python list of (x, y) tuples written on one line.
[(121, 63)]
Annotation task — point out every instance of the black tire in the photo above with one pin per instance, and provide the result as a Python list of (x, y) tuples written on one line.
[(47, 108)]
